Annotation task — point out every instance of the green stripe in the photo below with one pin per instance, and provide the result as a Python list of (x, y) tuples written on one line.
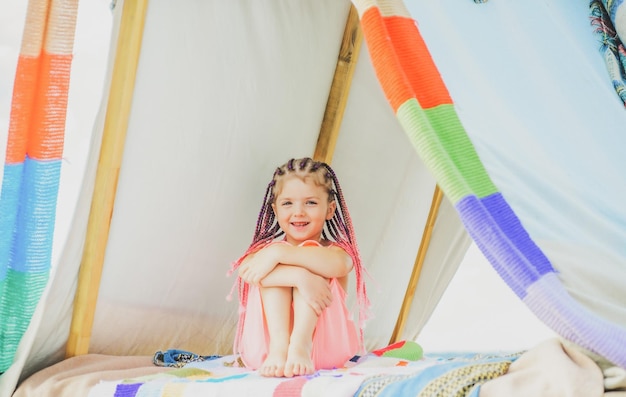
[(20, 294), (440, 140)]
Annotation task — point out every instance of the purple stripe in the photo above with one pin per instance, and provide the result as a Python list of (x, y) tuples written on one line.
[(551, 303), (498, 233), (509, 222), (127, 390), (520, 262)]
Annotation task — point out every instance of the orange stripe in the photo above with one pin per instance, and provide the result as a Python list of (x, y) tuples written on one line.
[(24, 90), (47, 130), (388, 69), (416, 62)]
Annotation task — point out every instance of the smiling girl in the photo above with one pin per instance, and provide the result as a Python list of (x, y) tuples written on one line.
[(292, 290)]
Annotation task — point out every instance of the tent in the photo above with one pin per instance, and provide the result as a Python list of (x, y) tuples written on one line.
[(224, 91)]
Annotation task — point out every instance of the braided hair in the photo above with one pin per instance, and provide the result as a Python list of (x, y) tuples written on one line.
[(337, 229)]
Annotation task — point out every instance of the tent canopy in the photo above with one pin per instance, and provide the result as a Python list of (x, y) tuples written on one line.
[(226, 91)]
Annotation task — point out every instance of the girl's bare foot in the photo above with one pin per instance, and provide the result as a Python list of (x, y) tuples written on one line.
[(274, 364), (299, 360)]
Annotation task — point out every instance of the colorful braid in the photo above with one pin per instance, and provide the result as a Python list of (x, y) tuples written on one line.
[(338, 229), (342, 232)]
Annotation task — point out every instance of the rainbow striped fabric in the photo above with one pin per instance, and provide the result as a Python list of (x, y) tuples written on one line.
[(33, 165), (418, 96)]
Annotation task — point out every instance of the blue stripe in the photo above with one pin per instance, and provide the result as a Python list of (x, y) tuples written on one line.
[(9, 201), (36, 216)]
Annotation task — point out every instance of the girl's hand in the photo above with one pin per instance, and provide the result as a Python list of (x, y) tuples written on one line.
[(316, 292), (258, 265)]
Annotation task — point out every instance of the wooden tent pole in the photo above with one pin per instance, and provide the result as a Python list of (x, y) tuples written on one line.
[(417, 267), (325, 148), (114, 135), (340, 89)]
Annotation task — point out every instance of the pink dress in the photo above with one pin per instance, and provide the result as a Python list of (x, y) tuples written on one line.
[(335, 338)]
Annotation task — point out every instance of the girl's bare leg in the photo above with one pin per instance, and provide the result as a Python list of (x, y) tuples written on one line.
[(277, 311), (301, 342)]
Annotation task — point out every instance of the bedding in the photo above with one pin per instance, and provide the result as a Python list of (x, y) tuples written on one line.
[(395, 370), (551, 369)]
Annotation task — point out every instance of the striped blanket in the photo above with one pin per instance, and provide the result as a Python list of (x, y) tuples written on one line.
[(385, 372)]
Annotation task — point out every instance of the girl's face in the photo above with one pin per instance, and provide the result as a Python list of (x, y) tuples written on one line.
[(301, 209)]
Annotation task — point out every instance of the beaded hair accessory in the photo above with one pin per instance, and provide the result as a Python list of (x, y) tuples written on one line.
[(337, 229)]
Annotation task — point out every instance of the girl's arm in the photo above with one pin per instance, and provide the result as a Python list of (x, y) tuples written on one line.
[(328, 262)]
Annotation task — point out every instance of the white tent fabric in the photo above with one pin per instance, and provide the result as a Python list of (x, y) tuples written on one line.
[(544, 117), (217, 106), (223, 95)]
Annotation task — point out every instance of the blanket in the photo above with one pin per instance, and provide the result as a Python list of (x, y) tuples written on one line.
[(551, 369), (396, 370)]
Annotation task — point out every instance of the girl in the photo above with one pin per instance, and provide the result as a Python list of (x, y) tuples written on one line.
[(293, 316)]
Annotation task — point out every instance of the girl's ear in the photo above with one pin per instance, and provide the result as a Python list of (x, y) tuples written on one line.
[(332, 206)]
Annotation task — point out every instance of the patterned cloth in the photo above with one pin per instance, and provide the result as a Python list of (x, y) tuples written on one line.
[(603, 18), (461, 376), (178, 358)]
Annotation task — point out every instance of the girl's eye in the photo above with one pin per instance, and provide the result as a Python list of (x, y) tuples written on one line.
[(286, 203), (311, 202)]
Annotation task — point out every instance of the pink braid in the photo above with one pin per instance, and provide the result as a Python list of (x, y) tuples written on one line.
[(346, 239)]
